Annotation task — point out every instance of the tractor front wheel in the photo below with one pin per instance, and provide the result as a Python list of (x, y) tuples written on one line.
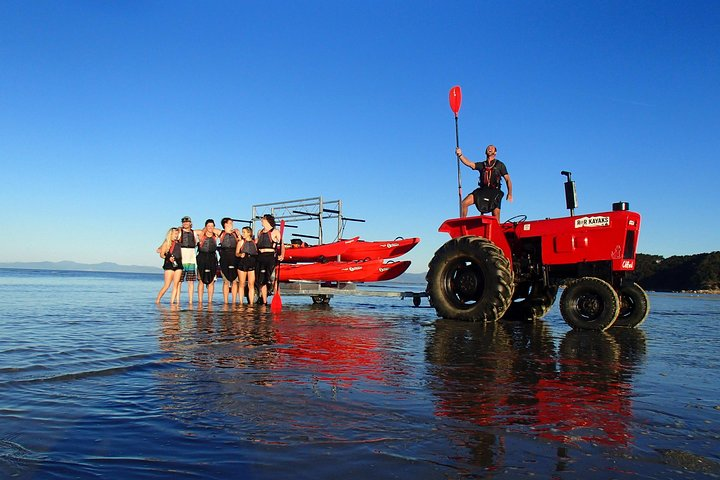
[(634, 306), (589, 303), (469, 278)]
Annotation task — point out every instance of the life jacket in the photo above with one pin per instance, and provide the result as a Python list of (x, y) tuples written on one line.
[(207, 244), (228, 241), (489, 176), (264, 240), (249, 248), (188, 239), (172, 253)]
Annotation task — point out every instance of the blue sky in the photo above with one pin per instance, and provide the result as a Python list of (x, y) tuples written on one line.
[(118, 118)]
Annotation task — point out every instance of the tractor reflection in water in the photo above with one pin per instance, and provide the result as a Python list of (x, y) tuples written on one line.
[(508, 377)]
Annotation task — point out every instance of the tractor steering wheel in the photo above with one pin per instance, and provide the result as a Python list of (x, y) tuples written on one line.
[(521, 218)]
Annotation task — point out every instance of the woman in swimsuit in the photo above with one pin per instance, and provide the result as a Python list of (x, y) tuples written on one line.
[(172, 266)]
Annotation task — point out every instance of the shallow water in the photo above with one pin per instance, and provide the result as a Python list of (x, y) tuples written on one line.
[(98, 381)]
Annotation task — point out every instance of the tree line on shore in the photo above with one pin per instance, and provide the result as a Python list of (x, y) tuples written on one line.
[(678, 273)]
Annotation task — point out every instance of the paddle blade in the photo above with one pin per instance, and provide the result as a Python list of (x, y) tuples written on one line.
[(276, 304), (455, 99)]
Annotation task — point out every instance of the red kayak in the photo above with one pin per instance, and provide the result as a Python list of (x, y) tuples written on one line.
[(366, 271), (317, 253), (386, 271), (362, 250)]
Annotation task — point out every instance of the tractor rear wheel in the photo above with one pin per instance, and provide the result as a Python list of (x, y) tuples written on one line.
[(469, 278), (534, 304), (634, 306), (589, 303)]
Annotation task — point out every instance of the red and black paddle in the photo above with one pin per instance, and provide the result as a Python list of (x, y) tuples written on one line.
[(276, 304), (455, 101)]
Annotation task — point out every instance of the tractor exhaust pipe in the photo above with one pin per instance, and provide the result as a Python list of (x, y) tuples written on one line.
[(570, 193), (620, 206)]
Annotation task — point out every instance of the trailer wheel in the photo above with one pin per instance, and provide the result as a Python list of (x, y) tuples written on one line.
[(533, 305), (469, 278), (634, 306), (320, 299), (589, 303)]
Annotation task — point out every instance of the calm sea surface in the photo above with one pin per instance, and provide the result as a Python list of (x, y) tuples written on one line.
[(96, 381)]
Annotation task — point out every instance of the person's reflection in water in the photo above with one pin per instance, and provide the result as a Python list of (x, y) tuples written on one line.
[(224, 337), (313, 374), (170, 329)]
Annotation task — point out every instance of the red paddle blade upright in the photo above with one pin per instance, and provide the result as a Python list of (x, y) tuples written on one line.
[(455, 99), (276, 304)]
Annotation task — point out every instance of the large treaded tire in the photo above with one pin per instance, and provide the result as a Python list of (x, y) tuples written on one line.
[(469, 278), (589, 303), (534, 305), (634, 306)]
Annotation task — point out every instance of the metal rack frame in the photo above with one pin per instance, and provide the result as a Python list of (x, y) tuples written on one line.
[(303, 210)]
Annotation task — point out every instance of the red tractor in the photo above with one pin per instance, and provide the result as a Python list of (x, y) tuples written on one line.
[(513, 270)]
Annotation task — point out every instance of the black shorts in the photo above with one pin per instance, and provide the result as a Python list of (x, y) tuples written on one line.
[(264, 267), (487, 199), (247, 263)]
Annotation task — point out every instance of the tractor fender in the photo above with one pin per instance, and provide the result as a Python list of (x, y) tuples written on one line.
[(485, 226)]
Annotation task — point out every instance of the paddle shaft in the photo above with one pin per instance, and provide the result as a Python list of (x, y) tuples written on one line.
[(457, 145), (276, 305)]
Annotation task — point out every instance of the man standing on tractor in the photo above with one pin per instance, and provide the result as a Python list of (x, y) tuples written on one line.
[(488, 196)]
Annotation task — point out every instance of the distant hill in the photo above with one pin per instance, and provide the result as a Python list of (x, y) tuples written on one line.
[(410, 278), (82, 267), (653, 272), (676, 273)]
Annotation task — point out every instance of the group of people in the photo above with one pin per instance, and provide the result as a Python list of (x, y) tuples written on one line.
[(245, 261)]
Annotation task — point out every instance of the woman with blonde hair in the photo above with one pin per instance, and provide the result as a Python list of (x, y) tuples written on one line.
[(172, 266)]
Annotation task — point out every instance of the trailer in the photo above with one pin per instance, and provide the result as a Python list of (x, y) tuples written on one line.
[(322, 292), (316, 210)]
